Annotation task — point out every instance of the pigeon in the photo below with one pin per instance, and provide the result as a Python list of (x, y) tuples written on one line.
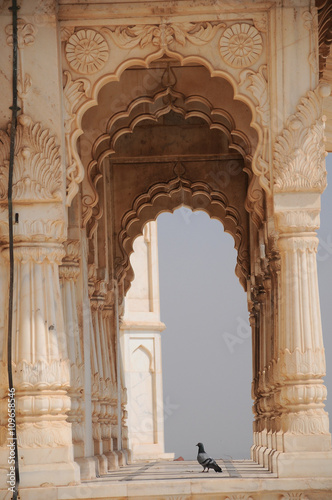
[(206, 461)]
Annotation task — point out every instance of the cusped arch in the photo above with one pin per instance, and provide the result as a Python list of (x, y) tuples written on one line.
[(85, 96), (167, 197), (124, 122)]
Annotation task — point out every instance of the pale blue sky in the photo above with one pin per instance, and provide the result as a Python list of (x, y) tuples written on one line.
[(206, 346)]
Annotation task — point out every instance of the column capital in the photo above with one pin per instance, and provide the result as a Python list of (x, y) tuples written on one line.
[(297, 212), (40, 252), (69, 269)]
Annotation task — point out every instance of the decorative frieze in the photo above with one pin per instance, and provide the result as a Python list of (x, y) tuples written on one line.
[(164, 34), (37, 254), (239, 496), (296, 220), (44, 434), (293, 496), (30, 230), (42, 375), (302, 365)]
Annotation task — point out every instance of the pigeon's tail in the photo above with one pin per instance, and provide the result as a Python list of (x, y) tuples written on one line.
[(217, 468)]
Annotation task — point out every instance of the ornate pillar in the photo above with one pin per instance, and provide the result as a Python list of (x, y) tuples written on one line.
[(69, 272), (97, 296), (111, 399), (256, 322), (300, 176), (41, 368)]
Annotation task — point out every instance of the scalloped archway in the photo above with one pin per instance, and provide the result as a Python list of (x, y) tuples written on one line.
[(189, 101), (167, 197)]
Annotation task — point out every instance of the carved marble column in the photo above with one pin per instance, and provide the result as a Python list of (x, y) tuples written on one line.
[(97, 295), (111, 397), (69, 272), (301, 359), (41, 368), (300, 176)]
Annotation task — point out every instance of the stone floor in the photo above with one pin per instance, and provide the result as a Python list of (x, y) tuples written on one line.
[(240, 480), (187, 470)]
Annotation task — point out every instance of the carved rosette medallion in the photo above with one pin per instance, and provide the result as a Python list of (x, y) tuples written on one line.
[(86, 51), (241, 45)]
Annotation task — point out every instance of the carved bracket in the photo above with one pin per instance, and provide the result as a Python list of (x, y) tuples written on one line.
[(37, 173), (299, 151)]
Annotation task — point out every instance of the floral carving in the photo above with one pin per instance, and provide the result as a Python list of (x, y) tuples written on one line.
[(259, 89), (303, 364), (42, 375), (304, 220), (294, 496), (35, 229), (299, 151), (23, 86), (25, 34), (162, 35), (44, 434), (261, 23), (73, 92), (73, 250), (86, 51), (66, 32), (25, 37), (241, 45), (311, 24), (37, 173), (239, 496)]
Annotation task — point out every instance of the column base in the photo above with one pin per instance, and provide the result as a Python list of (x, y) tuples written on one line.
[(112, 459), (121, 458), (57, 474), (54, 466), (304, 464), (89, 467), (102, 464), (129, 455)]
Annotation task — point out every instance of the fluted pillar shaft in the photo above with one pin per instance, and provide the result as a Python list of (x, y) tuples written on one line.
[(41, 368), (111, 393), (69, 272), (301, 425), (100, 382), (301, 392)]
